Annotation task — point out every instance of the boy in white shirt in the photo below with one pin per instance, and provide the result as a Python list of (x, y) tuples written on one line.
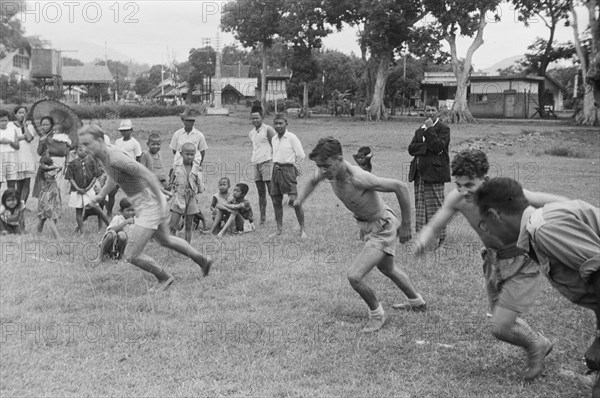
[(115, 239), (127, 143)]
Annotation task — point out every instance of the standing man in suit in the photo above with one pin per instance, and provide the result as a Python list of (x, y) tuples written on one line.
[(430, 167)]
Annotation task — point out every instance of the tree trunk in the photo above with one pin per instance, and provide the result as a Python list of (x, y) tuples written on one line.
[(368, 66), (460, 112), (543, 66), (263, 80), (460, 109), (589, 114), (594, 66), (188, 96), (377, 109), (305, 100)]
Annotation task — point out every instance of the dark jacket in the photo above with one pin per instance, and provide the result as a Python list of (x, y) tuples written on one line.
[(431, 159)]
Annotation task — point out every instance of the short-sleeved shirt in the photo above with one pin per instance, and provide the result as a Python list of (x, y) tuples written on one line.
[(243, 208), (9, 133), (154, 164), (287, 149), (186, 188), (262, 151), (83, 171), (182, 137), (131, 147), (565, 237), (118, 220)]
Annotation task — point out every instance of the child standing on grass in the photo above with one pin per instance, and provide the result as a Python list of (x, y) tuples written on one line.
[(49, 200), (82, 173), (186, 181), (237, 209), (127, 143), (12, 213), (219, 198), (9, 144), (115, 239), (152, 159)]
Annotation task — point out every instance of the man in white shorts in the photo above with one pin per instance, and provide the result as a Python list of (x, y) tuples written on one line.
[(144, 192)]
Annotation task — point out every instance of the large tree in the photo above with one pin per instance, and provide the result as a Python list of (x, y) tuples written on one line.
[(11, 31), (466, 18), (66, 61), (404, 80), (385, 27), (148, 80), (119, 71), (255, 24), (303, 25), (544, 51), (589, 59), (202, 64)]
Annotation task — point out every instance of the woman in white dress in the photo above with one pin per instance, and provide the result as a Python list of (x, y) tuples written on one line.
[(24, 157)]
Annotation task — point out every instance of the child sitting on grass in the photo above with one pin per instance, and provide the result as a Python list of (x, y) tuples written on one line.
[(237, 209), (221, 197), (115, 239), (82, 173), (49, 199), (12, 213)]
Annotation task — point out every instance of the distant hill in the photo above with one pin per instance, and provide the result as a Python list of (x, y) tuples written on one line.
[(510, 61), (502, 64), (86, 51)]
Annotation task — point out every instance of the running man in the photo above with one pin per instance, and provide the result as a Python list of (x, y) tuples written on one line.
[(379, 225), (144, 192)]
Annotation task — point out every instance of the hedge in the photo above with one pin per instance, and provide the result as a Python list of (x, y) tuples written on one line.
[(124, 111)]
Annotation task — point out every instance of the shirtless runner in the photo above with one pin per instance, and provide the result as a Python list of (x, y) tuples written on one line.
[(512, 278), (144, 192), (379, 225)]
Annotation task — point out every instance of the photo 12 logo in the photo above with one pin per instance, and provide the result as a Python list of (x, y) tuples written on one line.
[(70, 11)]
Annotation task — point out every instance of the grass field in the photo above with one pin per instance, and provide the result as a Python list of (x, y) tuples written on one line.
[(278, 318)]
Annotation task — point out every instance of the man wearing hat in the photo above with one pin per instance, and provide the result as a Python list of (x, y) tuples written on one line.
[(189, 134), (262, 157)]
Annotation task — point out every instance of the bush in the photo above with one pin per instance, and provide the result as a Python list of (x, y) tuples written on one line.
[(127, 111), (564, 152), (320, 110)]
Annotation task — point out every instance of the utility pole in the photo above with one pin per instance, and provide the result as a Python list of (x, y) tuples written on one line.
[(117, 90), (162, 78)]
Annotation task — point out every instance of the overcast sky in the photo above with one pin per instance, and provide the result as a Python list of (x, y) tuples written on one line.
[(155, 31)]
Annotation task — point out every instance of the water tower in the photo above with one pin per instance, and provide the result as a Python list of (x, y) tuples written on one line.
[(46, 68)]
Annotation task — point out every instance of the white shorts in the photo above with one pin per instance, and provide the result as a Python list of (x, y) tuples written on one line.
[(80, 201), (149, 211)]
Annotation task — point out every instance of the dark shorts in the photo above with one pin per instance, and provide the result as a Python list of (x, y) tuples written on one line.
[(283, 180), (239, 220)]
